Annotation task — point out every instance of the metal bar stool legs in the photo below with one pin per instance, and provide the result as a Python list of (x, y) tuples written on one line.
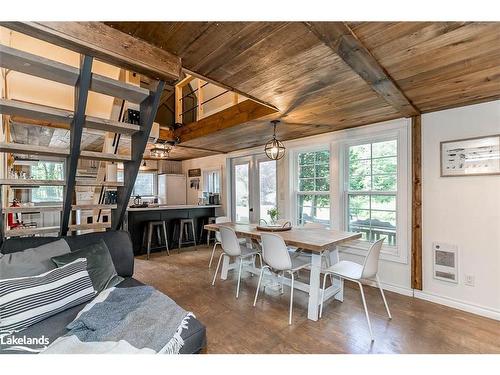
[(184, 233), (148, 233)]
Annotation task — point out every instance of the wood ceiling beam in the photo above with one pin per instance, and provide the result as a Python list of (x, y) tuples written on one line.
[(107, 44), (246, 111), (342, 40)]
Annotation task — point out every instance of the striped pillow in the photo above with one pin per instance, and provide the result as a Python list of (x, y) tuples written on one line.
[(27, 300)]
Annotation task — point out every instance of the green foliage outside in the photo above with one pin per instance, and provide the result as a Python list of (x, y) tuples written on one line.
[(47, 171)]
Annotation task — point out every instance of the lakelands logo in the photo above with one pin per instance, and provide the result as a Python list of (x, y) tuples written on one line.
[(10, 341)]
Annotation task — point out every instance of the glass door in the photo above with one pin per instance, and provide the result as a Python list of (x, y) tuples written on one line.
[(253, 188)]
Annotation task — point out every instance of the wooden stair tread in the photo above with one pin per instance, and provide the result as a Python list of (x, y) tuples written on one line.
[(22, 148), (96, 183), (42, 67), (93, 206), (31, 209), (30, 231), (22, 182), (55, 115), (89, 226)]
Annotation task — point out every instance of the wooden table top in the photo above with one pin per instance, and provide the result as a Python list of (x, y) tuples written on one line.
[(316, 240)]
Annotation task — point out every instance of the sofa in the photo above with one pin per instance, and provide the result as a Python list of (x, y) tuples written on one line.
[(122, 254)]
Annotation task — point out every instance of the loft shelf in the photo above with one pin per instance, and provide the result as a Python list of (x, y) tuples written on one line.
[(24, 62)]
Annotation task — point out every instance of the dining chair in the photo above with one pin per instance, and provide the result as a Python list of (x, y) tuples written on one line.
[(218, 220), (277, 260), (356, 272), (232, 248)]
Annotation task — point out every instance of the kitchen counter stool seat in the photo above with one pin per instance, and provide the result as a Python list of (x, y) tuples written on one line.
[(149, 227)]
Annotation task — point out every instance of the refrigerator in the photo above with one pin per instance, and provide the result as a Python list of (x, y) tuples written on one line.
[(171, 189)]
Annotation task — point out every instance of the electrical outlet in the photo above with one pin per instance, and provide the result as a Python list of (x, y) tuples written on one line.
[(469, 280)]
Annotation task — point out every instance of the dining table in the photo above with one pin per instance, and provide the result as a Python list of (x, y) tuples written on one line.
[(318, 242)]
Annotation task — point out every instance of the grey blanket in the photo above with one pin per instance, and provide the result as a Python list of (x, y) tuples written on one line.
[(126, 320)]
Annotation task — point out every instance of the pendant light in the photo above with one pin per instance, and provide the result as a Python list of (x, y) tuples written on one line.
[(160, 151), (274, 149)]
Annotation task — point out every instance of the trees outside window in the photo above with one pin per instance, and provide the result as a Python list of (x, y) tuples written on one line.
[(313, 187), (46, 170), (372, 190)]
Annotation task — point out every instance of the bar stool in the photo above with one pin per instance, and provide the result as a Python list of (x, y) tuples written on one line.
[(207, 220), (183, 227), (148, 232)]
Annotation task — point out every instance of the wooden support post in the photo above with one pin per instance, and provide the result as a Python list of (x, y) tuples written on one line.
[(416, 222), (199, 112), (178, 105), (139, 140), (81, 95)]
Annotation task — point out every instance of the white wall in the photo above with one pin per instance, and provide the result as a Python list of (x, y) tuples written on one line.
[(464, 211), (207, 163)]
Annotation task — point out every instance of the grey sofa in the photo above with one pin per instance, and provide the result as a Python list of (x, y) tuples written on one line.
[(120, 247)]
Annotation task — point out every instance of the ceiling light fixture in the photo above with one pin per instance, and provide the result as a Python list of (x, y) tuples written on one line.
[(274, 149), (160, 151)]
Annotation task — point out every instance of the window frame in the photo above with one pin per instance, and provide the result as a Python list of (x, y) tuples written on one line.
[(44, 203), (347, 192), (400, 133), (295, 180), (155, 183)]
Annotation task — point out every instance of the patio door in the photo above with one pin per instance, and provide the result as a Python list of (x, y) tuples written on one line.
[(253, 188)]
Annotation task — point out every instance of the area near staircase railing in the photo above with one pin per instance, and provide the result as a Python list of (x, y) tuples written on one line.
[(84, 81)]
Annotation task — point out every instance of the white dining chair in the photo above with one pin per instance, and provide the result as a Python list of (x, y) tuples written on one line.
[(277, 260), (356, 272), (218, 220), (232, 248)]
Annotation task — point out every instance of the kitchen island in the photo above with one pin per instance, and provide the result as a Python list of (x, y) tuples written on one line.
[(138, 217)]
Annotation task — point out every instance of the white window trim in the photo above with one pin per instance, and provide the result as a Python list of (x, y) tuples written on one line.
[(294, 178), (398, 253), (336, 142)]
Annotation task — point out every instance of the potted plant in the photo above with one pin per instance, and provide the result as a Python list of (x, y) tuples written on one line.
[(273, 214)]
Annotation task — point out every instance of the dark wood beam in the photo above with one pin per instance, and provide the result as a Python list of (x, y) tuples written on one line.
[(240, 113), (107, 44), (139, 140), (342, 40), (416, 222), (81, 94)]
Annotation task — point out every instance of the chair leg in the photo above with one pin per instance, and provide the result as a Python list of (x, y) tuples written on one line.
[(322, 296), (212, 256), (282, 289), (150, 234), (383, 297), (291, 299), (366, 310), (239, 278), (194, 236), (217, 269), (258, 286), (166, 237), (181, 229), (158, 234), (260, 259)]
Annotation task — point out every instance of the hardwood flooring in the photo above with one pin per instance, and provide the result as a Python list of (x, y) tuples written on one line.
[(234, 326)]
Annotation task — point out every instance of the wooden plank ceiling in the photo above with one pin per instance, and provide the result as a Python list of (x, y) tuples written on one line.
[(318, 89)]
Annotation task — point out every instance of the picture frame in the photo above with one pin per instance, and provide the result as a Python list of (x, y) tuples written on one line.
[(478, 156)]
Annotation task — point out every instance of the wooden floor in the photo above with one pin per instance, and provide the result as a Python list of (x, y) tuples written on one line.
[(234, 326)]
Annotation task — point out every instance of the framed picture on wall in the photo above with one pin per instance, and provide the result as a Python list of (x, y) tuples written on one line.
[(471, 156)]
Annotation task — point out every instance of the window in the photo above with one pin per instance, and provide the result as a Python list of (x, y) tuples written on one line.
[(313, 187), (145, 183), (46, 170), (211, 181), (372, 175)]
